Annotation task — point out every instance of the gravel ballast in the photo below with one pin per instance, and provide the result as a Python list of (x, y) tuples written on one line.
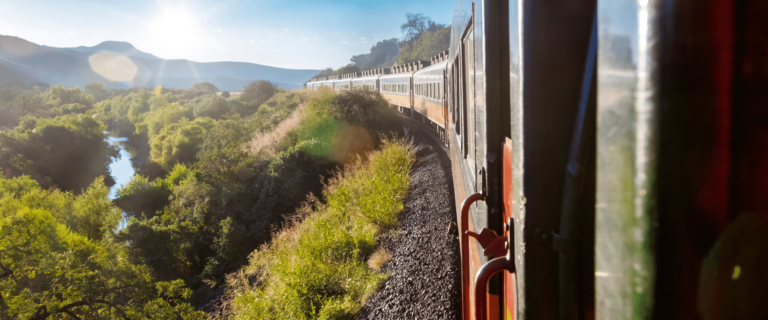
[(424, 279)]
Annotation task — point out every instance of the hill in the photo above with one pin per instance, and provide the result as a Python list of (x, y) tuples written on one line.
[(115, 46), (21, 60)]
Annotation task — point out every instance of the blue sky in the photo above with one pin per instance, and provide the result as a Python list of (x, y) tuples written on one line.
[(282, 33)]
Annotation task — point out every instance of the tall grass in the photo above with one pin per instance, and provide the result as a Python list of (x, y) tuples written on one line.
[(316, 267), (268, 143)]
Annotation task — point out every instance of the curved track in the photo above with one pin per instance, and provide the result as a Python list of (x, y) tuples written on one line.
[(424, 276)]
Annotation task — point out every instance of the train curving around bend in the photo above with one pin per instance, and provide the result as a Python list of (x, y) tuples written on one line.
[(610, 157)]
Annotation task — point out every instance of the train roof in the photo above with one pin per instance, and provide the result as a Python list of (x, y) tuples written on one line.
[(432, 68), (397, 75), (369, 78)]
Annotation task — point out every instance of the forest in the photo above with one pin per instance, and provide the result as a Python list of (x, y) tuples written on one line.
[(226, 173), (422, 39)]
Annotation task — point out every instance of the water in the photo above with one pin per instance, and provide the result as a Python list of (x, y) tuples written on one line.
[(122, 169)]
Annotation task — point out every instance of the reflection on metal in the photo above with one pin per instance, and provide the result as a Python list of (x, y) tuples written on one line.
[(112, 66), (465, 285), (624, 264), (485, 273), (493, 244)]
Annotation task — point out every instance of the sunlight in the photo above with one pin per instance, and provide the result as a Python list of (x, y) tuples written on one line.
[(112, 66), (175, 29)]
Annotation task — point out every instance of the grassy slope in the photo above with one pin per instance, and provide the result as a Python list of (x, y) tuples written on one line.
[(315, 268)]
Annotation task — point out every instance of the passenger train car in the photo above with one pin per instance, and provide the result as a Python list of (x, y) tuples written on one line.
[(610, 157)]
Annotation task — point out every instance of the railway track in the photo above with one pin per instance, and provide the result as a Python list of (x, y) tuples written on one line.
[(424, 273)]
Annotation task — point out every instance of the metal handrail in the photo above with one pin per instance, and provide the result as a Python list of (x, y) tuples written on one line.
[(481, 283), (464, 227), (489, 269)]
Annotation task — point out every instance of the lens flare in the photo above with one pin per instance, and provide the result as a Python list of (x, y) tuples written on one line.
[(112, 66)]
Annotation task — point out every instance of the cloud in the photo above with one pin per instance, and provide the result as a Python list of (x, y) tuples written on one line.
[(219, 30), (343, 42), (285, 30), (365, 41), (363, 38), (251, 41)]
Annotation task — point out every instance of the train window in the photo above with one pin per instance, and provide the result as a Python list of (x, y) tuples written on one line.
[(469, 118)]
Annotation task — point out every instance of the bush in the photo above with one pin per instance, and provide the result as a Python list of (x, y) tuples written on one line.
[(67, 151), (315, 267), (257, 92)]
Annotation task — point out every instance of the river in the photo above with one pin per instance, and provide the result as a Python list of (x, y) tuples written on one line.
[(122, 169)]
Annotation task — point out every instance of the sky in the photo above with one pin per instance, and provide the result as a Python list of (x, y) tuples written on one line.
[(297, 34)]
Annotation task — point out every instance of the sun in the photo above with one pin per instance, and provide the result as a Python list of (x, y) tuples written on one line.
[(175, 29)]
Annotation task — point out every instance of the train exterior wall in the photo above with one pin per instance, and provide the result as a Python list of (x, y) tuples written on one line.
[(430, 108), (397, 99)]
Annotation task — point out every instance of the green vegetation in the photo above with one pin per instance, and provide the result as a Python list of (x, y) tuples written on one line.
[(422, 40), (315, 268), (222, 173), (68, 151), (430, 43), (59, 257), (382, 55)]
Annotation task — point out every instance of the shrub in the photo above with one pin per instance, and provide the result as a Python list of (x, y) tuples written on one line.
[(315, 267)]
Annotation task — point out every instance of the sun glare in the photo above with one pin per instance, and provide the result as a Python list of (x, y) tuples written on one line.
[(176, 29)]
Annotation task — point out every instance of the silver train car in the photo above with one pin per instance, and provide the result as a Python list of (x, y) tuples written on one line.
[(417, 89)]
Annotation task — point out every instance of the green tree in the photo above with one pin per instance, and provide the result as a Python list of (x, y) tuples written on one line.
[(67, 151), (205, 88), (383, 54), (19, 104), (57, 96), (258, 92), (223, 161), (199, 89), (97, 91), (347, 69), (48, 271), (416, 24), (163, 110), (90, 214), (429, 44), (179, 142), (210, 105)]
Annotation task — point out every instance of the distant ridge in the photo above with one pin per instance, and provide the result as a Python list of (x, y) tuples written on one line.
[(27, 62), (115, 46)]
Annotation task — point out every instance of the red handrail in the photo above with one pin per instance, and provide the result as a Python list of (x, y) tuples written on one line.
[(464, 227), (481, 283)]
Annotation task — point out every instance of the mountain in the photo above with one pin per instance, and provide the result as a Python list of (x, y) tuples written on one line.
[(120, 64), (115, 46)]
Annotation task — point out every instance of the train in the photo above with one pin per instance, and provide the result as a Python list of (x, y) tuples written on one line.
[(609, 157), (415, 89)]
